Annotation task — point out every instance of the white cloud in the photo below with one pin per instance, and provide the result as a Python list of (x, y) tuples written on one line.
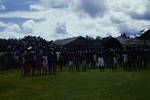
[(28, 26), (93, 8), (13, 28), (36, 7), (2, 6), (133, 29), (82, 17), (48, 4), (25, 14), (2, 24), (119, 17), (11, 31), (138, 9), (61, 28)]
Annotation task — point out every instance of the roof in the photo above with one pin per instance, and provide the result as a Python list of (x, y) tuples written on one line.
[(110, 42), (63, 42), (145, 35), (97, 43), (80, 42), (133, 42)]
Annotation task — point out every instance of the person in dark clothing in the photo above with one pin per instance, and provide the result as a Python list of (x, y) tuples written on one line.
[(71, 63), (39, 65), (2, 63), (54, 62), (84, 64), (28, 63), (61, 63), (101, 62), (125, 60), (33, 62), (50, 63)]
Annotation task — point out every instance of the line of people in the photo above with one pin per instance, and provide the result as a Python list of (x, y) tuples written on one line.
[(49, 62), (36, 56), (38, 63)]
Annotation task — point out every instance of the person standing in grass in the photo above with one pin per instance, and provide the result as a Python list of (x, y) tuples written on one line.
[(94, 59), (77, 61), (125, 61), (101, 63), (39, 65), (84, 65), (71, 63), (22, 64), (114, 63), (54, 61), (60, 60), (33, 62), (100, 60), (45, 64), (50, 61)]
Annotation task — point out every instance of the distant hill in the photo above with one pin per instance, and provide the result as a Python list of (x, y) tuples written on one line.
[(145, 35)]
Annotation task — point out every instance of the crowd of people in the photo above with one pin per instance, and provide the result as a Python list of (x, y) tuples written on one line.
[(55, 60), (36, 56), (49, 60)]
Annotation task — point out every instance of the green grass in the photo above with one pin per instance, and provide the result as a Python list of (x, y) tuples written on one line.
[(93, 85)]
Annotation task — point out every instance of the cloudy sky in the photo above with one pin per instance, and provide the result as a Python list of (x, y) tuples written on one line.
[(55, 19)]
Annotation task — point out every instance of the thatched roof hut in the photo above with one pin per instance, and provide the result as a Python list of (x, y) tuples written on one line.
[(112, 43), (75, 42), (134, 43), (145, 35)]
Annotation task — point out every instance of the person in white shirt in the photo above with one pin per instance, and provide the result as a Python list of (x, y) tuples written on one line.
[(58, 55), (45, 64), (125, 58), (71, 65), (114, 63), (101, 63), (95, 60), (125, 61)]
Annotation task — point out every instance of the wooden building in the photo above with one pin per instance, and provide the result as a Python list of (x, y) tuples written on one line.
[(111, 43), (75, 42), (145, 35), (134, 43), (80, 43)]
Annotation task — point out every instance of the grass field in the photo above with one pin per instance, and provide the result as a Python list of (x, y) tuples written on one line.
[(93, 85)]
